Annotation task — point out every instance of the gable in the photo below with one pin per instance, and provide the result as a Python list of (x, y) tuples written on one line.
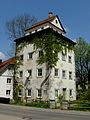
[(52, 21), (57, 23)]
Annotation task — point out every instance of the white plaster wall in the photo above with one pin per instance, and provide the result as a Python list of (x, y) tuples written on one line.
[(56, 82), (6, 86)]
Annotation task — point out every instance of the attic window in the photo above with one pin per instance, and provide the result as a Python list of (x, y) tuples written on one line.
[(56, 22)]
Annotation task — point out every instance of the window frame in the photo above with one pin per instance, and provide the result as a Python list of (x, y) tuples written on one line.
[(69, 59), (64, 74), (28, 93), (39, 93), (56, 72), (9, 80), (38, 72), (8, 92), (21, 73), (30, 55), (70, 75)]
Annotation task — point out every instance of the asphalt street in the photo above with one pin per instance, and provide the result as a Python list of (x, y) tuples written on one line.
[(12, 112)]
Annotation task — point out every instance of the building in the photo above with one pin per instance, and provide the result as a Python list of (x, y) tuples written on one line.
[(6, 78), (63, 75)]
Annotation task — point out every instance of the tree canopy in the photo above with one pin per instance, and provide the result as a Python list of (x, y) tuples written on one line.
[(82, 61)]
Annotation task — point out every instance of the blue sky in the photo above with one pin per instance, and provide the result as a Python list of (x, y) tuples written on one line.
[(74, 15)]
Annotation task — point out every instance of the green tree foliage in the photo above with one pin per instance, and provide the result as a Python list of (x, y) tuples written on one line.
[(82, 60), (50, 45)]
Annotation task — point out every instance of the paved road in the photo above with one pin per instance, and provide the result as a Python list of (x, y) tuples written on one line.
[(11, 112)]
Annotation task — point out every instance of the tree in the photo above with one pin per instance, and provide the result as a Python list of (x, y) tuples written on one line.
[(82, 61), (16, 28)]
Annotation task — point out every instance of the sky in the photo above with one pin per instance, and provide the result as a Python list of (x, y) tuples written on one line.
[(74, 15)]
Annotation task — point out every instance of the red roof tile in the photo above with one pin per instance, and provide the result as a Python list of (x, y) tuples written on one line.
[(4, 64)]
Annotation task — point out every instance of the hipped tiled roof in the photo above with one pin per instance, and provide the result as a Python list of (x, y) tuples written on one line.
[(6, 63)]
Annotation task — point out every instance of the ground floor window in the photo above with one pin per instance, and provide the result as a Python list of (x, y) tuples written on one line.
[(8, 92), (39, 93), (29, 92)]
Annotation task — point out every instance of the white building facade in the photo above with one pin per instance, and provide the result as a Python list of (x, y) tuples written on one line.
[(6, 78), (62, 78)]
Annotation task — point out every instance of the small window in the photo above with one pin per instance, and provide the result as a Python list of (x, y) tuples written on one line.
[(63, 74), (70, 92), (56, 22), (56, 72), (30, 72), (21, 73), (70, 75), (21, 57), (69, 59), (30, 55), (39, 93), (40, 53), (20, 92), (39, 72), (63, 56), (56, 93), (8, 92), (8, 80), (29, 92)]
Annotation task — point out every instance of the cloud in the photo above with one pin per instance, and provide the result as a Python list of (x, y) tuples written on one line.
[(2, 55)]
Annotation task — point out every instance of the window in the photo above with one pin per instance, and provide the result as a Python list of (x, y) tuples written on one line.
[(70, 92), (70, 75), (40, 53), (63, 74), (39, 72), (56, 22), (63, 56), (21, 73), (39, 94), (21, 57), (8, 92), (20, 92), (56, 72), (30, 72), (56, 93), (30, 55), (8, 80), (69, 59), (29, 92)]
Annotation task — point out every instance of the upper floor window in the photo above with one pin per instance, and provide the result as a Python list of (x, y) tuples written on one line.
[(8, 80), (63, 56), (20, 92), (70, 92), (63, 74), (70, 75), (56, 72), (21, 57), (30, 72), (21, 73), (39, 72), (30, 55), (40, 53), (8, 92), (69, 59)]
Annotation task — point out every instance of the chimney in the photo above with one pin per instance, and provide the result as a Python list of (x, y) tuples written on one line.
[(50, 14), (0, 61)]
